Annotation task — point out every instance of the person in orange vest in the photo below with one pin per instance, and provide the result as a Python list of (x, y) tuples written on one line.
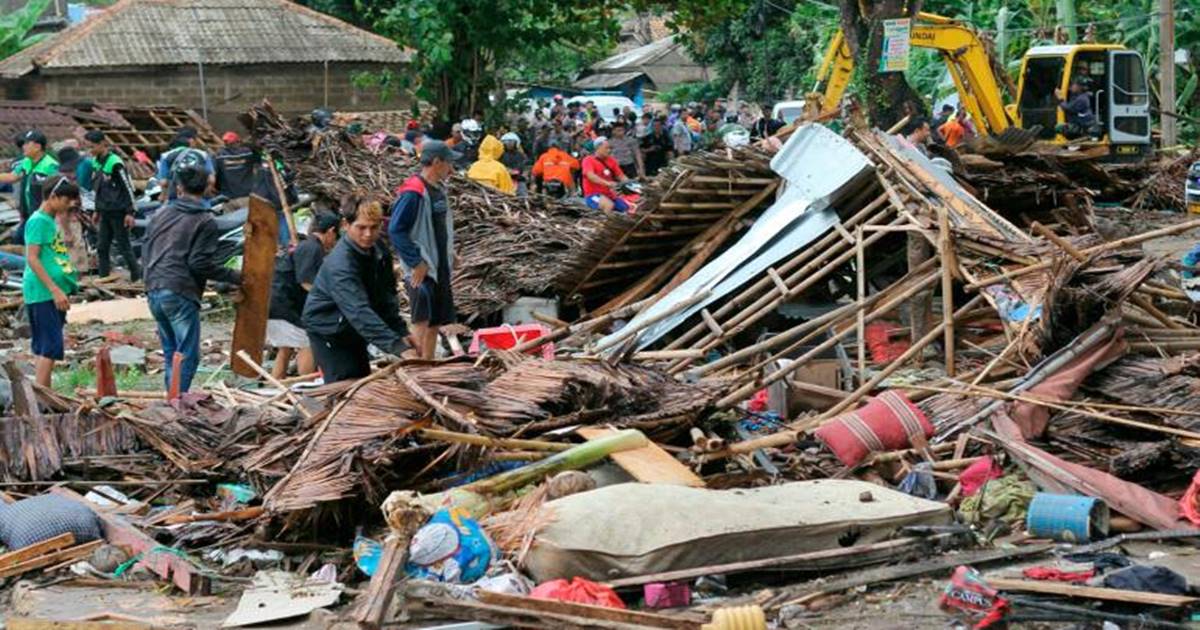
[(953, 131), (554, 172)]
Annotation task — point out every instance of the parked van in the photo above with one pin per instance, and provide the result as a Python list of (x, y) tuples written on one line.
[(606, 103), (787, 111)]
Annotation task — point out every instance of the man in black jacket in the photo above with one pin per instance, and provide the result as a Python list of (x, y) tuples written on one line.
[(181, 257), (353, 301), (114, 205), (236, 165)]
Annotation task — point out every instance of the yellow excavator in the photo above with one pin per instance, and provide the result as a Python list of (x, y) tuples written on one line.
[(1116, 75)]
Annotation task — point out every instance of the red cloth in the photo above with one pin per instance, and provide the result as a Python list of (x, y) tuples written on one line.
[(758, 402), (974, 476), (1187, 503), (1033, 418), (606, 168), (878, 336), (1058, 575), (886, 423), (578, 590)]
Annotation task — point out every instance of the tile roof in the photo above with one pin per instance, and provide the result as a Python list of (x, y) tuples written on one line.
[(170, 32)]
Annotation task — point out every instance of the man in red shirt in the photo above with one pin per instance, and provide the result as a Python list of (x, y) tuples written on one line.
[(601, 176)]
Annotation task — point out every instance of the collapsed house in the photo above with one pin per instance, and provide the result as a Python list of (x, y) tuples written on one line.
[(828, 357)]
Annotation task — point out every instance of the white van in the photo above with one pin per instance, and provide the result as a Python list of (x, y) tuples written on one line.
[(787, 111), (606, 103)]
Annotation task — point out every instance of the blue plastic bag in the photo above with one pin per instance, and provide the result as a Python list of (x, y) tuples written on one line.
[(451, 547)]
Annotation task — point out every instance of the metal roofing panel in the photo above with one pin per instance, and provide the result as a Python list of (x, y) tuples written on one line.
[(606, 80)]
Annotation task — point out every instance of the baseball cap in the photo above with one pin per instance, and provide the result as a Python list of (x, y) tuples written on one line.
[(33, 135), (230, 137), (325, 220), (600, 140), (436, 149)]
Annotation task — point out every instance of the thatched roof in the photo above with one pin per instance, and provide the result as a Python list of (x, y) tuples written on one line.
[(139, 33)]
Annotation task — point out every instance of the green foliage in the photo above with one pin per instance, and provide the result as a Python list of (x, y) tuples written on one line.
[(84, 377), (771, 50), (15, 28), (701, 91)]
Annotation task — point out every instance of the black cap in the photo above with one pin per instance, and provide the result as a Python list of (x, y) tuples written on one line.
[(94, 136), (435, 149), (33, 135), (325, 220)]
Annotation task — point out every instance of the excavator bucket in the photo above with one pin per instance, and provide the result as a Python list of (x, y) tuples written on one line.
[(1008, 142)]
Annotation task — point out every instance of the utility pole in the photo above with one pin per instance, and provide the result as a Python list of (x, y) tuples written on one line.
[(1166, 72)]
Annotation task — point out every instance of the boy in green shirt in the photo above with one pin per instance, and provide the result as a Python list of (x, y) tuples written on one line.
[(49, 275)]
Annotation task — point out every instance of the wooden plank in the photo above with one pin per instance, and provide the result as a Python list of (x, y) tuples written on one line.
[(372, 614), (649, 464), (24, 400), (110, 311), (118, 531), (36, 549), (632, 617), (1089, 592), (258, 269), (55, 557)]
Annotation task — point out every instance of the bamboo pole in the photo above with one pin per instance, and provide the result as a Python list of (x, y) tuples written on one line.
[(746, 390), (861, 322), (1097, 249), (947, 289)]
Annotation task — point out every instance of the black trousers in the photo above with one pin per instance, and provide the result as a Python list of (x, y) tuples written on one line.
[(340, 357), (112, 228)]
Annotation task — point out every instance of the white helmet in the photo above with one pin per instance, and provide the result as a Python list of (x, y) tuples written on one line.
[(470, 125), (736, 138), (510, 137)]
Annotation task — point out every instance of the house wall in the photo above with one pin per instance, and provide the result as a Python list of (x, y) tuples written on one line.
[(674, 68), (231, 90)]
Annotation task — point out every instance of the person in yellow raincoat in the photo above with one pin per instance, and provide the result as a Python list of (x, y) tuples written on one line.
[(489, 170)]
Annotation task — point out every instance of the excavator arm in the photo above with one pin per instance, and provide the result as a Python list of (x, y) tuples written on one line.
[(966, 58)]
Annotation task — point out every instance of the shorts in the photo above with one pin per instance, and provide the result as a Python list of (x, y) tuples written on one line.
[(283, 334), (619, 205), (432, 303), (46, 324)]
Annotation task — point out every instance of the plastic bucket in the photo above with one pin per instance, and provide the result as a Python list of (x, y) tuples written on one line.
[(1067, 517)]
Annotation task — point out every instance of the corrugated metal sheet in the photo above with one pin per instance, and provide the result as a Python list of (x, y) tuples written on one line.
[(606, 80), (819, 167), (637, 57), (169, 32)]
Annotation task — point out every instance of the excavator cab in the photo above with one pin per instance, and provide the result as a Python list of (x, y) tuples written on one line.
[(1116, 78)]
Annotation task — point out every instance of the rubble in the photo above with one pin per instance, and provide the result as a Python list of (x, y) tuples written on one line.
[(791, 375)]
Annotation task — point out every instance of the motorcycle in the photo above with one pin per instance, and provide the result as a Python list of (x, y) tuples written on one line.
[(630, 191)]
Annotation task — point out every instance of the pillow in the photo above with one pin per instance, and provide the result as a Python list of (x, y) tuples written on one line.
[(39, 518)]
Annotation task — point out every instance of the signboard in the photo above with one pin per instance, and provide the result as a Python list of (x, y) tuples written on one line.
[(896, 34)]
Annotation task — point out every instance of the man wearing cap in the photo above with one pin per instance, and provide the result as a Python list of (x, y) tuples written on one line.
[(235, 166), (181, 257), (115, 202), (601, 176), (422, 232), (295, 273), (31, 171)]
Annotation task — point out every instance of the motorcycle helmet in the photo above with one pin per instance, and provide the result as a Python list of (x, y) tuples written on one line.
[(321, 117), (471, 130), (510, 137)]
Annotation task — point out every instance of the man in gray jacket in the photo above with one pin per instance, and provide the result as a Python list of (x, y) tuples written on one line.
[(422, 231), (181, 257)]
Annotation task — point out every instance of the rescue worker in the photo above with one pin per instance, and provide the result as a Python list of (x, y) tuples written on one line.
[(554, 172), (488, 169), (31, 172), (115, 204), (353, 301)]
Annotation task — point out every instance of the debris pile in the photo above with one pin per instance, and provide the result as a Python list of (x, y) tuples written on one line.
[(798, 374)]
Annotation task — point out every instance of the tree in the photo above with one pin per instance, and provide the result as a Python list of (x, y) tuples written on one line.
[(464, 48), (770, 51), (888, 96), (15, 28)]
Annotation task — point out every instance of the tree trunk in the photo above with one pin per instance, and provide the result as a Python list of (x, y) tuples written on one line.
[(888, 95)]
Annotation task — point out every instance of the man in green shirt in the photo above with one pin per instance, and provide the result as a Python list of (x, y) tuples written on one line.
[(49, 275), (31, 172)]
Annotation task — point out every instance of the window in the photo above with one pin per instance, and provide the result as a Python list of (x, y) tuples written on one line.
[(1129, 80)]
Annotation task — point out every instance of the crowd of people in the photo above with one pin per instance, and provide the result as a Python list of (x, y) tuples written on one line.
[(336, 290)]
